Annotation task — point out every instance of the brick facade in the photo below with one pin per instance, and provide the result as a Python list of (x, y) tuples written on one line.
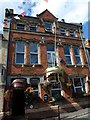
[(43, 38)]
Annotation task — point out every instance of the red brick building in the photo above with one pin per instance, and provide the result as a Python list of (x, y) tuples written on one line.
[(40, 52)]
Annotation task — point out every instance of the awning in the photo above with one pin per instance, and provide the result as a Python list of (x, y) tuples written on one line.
[(54, 69)]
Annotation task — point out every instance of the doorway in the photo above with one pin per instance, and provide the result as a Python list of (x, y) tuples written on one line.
[(18, 102)]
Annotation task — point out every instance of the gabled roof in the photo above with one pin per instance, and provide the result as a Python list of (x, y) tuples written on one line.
[(46, 14)]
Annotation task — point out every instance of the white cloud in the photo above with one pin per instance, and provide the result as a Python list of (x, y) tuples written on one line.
[(71, 11)]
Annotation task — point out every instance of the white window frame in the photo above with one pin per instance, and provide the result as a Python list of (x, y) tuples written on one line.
[(78, 87), (51, 54), (55, 89), (16, 52), (35, 53), (72, 34), (68, 55), (62, 31), (33, 26), (19, 28), (36, 90), (78, 56), (48, 28)]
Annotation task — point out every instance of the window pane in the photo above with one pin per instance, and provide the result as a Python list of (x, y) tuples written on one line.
[(78, 60), (33, 58), (66, 50), (76, 51), (79, 90), (50, 47), (49, 58), (19, 47), (72, 33), (48, 26), (53, 57), (34, 82), (19, 58), (56, 92), (33, 47), (62, 31), (55, 85), (32, 28), (20, 27), (77, 82), (68, 59), (77, 55)]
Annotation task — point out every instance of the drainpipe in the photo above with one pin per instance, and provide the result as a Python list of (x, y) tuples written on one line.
[(83, 43)]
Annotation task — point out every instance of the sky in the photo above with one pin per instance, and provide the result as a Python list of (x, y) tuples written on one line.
[(73, 11)]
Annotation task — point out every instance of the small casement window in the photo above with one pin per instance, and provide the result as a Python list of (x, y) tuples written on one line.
[(63, 31), (72, 34), (48, 26), (20, 27), (20, 51), (34, 84), (79, 85), (51, 55), (77, 55), (33, 53), (67, 54), (33, 28)]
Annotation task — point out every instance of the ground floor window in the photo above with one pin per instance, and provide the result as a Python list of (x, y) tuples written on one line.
[(78, 85), (34, 84), (55, 90)]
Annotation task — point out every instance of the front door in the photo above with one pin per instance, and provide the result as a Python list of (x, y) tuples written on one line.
[(18, 102)]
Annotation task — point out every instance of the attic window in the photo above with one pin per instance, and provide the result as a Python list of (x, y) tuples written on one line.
[(48, 26), (20, 26), (63, 31), (72, 33), (33, 28)]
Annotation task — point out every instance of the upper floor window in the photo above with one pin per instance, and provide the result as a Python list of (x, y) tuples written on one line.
[(33, 53), (20, 51), (72, 34), (48, 26), (77, 55), (51, 55), (67, 54), (20, 27), (33, 29), (63, 31)]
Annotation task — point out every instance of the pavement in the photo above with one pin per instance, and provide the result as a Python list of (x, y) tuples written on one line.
[(73, 115), (67, 112)]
